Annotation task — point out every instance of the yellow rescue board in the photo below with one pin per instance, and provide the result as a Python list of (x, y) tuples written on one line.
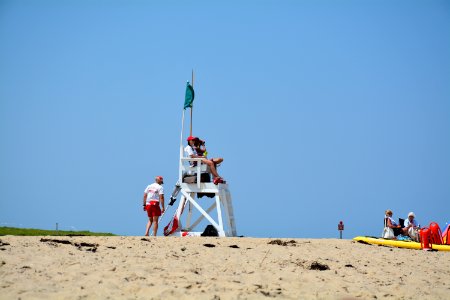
[(399, 244)]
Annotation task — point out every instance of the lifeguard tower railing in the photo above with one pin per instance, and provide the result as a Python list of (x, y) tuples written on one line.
[(225, 223)]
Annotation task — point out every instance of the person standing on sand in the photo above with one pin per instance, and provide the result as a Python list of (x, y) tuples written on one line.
[(153, 197)]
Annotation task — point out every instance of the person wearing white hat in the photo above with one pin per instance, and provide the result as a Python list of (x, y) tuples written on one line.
[(410, 225)]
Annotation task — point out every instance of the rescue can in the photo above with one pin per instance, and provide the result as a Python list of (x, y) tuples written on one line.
[(425, 239)]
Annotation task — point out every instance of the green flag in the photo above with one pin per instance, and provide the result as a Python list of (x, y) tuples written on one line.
[(189, 98)]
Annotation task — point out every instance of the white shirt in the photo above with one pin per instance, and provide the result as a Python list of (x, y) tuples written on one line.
[(414, 222), (153, 191), (190, 151)]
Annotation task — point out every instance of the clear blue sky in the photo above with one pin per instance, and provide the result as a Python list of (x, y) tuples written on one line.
[(323, 110)]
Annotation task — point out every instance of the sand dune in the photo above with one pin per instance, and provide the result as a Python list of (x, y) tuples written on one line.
[(216, 268)]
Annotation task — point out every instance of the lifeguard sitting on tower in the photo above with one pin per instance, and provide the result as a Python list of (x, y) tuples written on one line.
[(195, 149)]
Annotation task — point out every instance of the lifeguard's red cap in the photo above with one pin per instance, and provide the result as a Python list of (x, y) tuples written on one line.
[(191, 138)]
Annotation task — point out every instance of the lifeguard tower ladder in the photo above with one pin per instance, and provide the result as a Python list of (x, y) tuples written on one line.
[(191, 186)]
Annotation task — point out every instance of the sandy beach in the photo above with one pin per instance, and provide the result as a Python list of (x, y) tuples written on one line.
[(216, 268)]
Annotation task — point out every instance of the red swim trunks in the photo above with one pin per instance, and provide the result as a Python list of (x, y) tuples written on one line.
[(153, 209)]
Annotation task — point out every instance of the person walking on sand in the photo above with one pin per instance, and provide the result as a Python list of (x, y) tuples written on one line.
[(153, 198)]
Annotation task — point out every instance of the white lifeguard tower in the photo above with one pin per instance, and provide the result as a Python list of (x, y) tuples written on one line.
[(215, 204), (195, 182)]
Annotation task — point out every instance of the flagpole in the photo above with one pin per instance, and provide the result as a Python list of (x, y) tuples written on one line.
[(192, 106), (181, 148)]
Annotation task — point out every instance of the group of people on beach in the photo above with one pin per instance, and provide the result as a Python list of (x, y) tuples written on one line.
[(392, 229), (153, 200)]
